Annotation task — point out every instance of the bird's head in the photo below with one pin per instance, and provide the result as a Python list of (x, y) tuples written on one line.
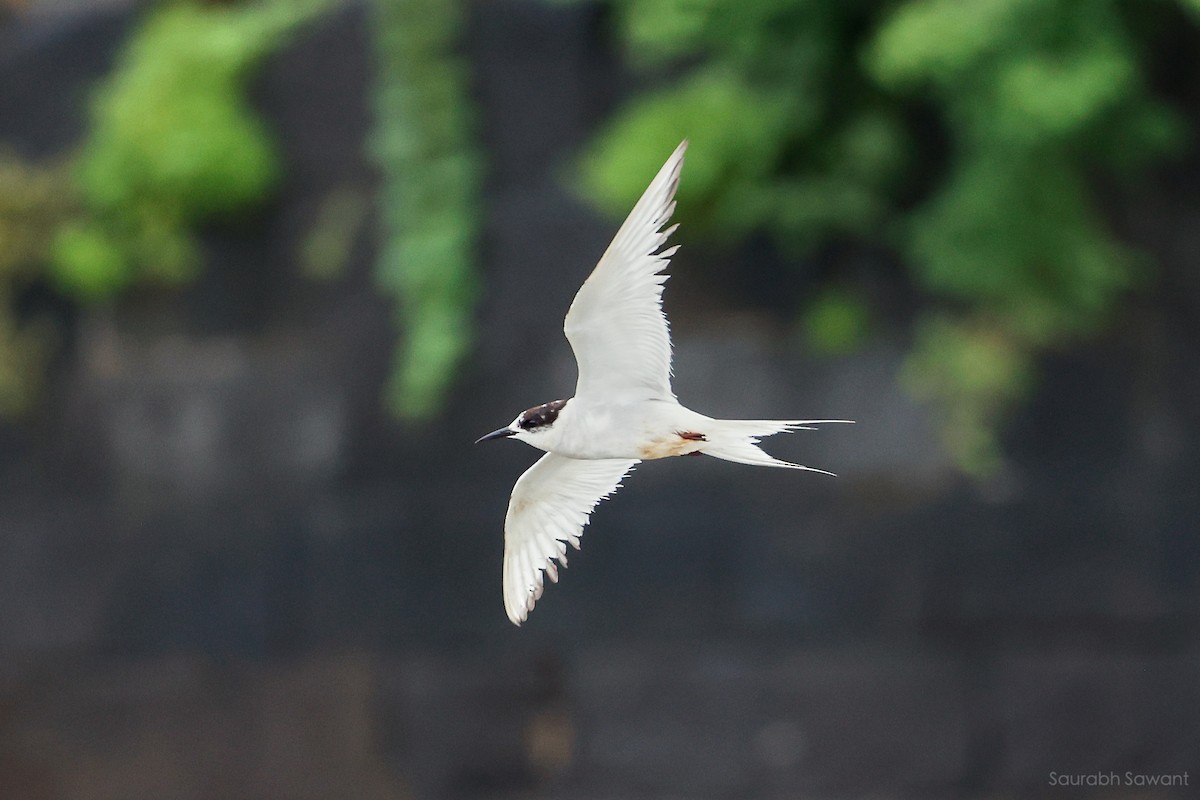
[(532, 426)]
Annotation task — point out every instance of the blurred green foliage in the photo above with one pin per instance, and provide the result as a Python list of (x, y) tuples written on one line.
[(788, 135), (325, 251), (837, 321), (975, 370), (804, 118), (173, 143), (34, 202), (429, 202)]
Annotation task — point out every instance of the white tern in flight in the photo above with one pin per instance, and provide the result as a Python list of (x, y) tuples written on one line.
[(623, 410)]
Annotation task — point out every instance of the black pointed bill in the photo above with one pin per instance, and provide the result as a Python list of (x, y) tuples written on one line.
[(497, 434)]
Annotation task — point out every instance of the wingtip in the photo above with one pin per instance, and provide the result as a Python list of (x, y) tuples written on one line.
[(806, 424), (674, 170), (811, 469), (680, 151)]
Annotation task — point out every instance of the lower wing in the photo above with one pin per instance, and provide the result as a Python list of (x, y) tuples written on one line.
[(549, 507)]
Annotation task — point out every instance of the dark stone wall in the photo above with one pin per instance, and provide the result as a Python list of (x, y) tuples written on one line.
[(224, 572)]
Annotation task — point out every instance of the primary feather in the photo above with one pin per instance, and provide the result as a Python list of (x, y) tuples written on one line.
[(616, 324), (549, 507)]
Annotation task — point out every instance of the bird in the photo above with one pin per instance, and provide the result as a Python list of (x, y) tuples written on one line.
[(623, 411)]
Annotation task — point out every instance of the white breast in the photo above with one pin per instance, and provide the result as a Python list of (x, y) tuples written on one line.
[(642, 430)]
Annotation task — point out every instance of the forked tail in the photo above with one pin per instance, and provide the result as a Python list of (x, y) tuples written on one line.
[(737, 440)]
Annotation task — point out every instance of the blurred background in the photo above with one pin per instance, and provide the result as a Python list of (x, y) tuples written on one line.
[(267, 268)]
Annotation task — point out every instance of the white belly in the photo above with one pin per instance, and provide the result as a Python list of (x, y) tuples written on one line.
[(643, 431)]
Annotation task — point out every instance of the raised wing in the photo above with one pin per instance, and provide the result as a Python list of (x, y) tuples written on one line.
[(549, 507), (616, 324)]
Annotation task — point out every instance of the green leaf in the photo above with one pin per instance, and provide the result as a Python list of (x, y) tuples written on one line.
[(87, 263), (973, 372), (941, 40), (1042, 96), (714, 110), (836, 322)]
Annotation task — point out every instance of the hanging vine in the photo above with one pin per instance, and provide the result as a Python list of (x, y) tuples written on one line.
[(429, 202)]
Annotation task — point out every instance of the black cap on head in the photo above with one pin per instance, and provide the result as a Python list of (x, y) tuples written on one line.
[(536, 417)]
